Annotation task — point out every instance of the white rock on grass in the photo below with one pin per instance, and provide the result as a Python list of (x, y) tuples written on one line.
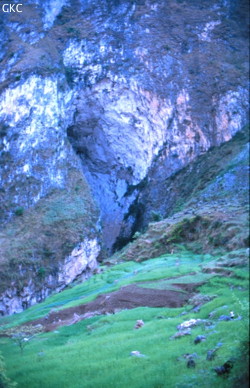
[(136, 353)]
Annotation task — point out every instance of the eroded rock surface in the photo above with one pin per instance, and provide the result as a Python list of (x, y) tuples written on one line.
[(79, 265)]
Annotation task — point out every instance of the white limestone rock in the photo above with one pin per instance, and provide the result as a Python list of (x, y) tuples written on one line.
[(82, 261)]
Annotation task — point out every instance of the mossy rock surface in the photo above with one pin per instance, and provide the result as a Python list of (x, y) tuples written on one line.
[(39, 238)]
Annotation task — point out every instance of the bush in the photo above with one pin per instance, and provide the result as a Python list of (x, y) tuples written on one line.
[(21, 336), (136, 235), (19, 211), (156, 216), (41, 272)]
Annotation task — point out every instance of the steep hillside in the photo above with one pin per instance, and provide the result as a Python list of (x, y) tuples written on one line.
[(165, 322), (169, 309), (210, 194), (102, 103), (46, 247)]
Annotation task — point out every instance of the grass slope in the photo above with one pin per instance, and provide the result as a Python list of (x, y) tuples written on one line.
[(96, 351)]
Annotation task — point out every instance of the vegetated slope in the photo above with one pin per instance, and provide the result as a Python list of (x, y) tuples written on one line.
[(90, 339), (219, 176), (206, 204)]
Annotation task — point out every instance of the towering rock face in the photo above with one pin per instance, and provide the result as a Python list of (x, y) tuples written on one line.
[(104, 90)]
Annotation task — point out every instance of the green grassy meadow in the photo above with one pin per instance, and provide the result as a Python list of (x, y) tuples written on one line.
[(95, 352)]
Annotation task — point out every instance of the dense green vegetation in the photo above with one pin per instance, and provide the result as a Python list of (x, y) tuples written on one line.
[(4, 380), (95, 352)]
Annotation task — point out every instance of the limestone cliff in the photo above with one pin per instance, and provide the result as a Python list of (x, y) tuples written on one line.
[(94, 94)]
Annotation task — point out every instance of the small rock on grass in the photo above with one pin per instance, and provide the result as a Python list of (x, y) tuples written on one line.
[(188, 356), (139, 324), (230, 317), (196, 309), (199, 338), (191, 363), (224, 369), (182, 333), (211, 354), (136, 353), (192, 323), (190, 359), (225, 318)]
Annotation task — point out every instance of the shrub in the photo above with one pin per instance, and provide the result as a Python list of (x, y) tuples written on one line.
[(22, 335), (136, 235), (19, 211), (41, 272), (155, 216)]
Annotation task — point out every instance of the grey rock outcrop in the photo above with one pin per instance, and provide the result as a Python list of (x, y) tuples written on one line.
[(78, 265)]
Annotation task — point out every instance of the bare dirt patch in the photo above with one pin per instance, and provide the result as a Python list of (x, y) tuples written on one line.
[(128, 297)]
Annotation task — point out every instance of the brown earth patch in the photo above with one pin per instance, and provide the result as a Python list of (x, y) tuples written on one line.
[(127, 297), (188, 287), (217, 270)]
